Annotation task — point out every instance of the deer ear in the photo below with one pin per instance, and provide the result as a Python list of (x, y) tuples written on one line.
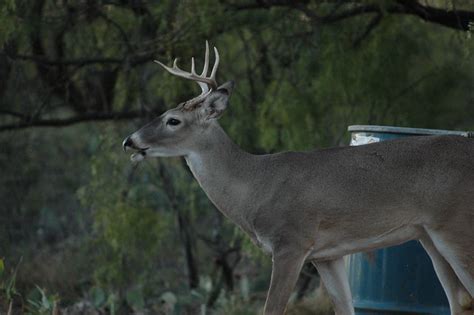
[(216, 103)]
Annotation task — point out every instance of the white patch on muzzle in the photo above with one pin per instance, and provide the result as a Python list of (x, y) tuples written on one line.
[(137, 157)]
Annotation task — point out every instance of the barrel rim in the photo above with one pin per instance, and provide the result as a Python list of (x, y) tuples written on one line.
[(406, 130)]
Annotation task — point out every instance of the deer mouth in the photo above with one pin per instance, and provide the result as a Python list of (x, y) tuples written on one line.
[(139, 155)]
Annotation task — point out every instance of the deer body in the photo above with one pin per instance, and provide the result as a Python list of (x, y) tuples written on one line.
[(321, 205), (327, 197)]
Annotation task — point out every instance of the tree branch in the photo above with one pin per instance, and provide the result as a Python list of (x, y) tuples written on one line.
[(119, 29), (61, 122), (456, 19), (12, 113), (265, 4), (370, 27), (134, 60)]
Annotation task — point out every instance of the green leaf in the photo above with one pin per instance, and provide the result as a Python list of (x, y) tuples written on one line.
[(45, 302), (2, 267), (135, 299), (98, 297)]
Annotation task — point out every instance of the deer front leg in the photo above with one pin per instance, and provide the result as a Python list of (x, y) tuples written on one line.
[(285, 272), (333, 275)]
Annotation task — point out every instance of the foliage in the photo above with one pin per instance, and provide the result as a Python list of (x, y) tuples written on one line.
[(234, 305), (94, 229), (8, 283), (40, 303), (127, 226)]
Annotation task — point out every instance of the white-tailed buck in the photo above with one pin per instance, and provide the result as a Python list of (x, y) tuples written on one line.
[(320, 205)]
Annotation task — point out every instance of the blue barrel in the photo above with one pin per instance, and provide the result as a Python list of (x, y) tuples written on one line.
[(398, 279)]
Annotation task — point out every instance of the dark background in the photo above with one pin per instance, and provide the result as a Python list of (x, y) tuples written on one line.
[(81, 227)]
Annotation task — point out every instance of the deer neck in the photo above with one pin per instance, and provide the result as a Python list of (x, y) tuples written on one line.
[(223, 171)]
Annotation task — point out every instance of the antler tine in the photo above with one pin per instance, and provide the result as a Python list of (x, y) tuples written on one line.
[(204, 86), (206, 60), (206, 83), (193, 67), (216, 65)]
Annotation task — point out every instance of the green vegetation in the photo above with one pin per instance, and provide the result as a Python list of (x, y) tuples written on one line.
[(84, 231)]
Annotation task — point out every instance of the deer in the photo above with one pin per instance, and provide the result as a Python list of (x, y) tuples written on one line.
[(318, 206)]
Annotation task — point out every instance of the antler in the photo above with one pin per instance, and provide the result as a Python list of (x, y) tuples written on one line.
[(206, 83)]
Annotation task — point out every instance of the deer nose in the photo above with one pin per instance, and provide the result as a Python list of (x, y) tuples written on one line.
[(127, 142)]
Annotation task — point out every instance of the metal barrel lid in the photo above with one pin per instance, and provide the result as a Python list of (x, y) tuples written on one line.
[(408, 131)]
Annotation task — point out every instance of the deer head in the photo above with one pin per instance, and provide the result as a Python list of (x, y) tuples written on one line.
[(185, 128)]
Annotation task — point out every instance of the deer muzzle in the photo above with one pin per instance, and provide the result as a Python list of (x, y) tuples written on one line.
[(128, 143)]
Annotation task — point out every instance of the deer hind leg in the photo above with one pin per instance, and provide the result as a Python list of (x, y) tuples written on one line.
[(459, 298), (333, 274), (457, 248)]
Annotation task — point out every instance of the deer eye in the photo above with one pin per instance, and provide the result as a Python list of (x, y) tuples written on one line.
[(173, 122)]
